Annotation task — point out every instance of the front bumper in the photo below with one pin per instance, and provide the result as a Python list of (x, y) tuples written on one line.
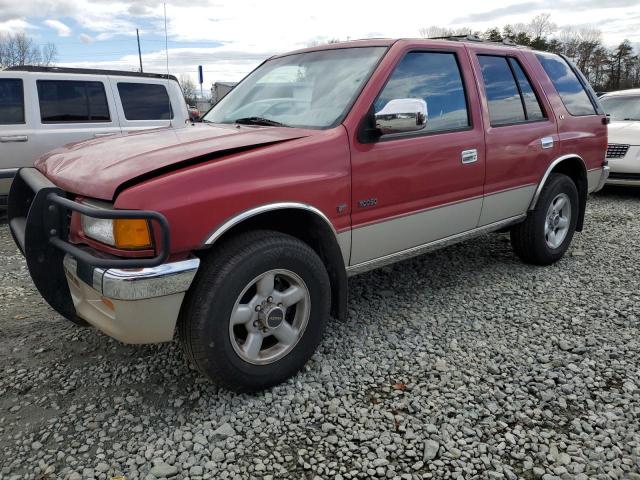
[(626, 170), (136, 300), (133, 306)]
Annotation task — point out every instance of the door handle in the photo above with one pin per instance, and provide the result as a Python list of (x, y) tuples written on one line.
[(13, 138), (546, 142), (469, 156), (99, 135)]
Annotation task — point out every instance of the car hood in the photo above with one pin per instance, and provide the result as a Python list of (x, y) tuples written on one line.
[(627, 133), (96, 168)]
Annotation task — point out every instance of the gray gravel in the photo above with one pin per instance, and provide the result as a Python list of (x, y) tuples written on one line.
[(461, 364)]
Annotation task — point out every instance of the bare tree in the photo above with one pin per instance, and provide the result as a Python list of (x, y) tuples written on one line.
[(434, 31), (188, 89), (541, 26), (319, 41), (19, 49)]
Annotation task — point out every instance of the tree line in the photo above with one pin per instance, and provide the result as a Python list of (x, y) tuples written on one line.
[(606, 68), (18, 49)]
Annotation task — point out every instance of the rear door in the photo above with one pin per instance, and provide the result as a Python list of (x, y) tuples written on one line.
[(521, 134), (70, 109), (581, 120), (417, 188)]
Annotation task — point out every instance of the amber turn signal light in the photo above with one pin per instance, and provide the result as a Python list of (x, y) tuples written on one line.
[(131, 233)]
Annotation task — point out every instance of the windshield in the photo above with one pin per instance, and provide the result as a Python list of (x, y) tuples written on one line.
[(313, 89), (622, 108)]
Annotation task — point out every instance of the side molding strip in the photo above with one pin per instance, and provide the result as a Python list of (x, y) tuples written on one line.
[(553, 165), (263, 209), (428, 247)]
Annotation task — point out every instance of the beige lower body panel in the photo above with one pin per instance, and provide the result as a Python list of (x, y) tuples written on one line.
[(395, 235), (151, 320), (506, 204)]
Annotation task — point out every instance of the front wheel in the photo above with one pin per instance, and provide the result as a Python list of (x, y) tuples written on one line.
[(257, 311), (544, 237)]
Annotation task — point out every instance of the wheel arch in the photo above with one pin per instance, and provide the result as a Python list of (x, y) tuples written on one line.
[(574, 167), (305, 223)]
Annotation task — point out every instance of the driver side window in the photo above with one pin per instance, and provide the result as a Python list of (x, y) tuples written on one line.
[(434, 77)]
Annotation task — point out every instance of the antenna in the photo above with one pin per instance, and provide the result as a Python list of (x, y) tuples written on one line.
[(139, 52), (166, 48)]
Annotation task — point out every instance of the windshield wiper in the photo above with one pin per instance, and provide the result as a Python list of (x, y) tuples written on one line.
[(258, 121)]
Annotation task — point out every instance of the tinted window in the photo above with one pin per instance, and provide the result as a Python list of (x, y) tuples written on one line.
[(11, 101), (533, 110), (63, 101), (569, 88), (145, 101), (434, 78), (503, 97)]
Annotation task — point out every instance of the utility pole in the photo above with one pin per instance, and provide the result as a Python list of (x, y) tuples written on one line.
[(139, 52)]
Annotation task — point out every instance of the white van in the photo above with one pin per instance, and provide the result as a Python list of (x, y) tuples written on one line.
[(42, 108)]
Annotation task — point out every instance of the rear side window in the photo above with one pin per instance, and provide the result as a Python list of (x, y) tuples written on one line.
[(434, 78), (70, 101), (567, 84), (145, 101), (510, 96), (532, 108), (505, 104), (11, 101)]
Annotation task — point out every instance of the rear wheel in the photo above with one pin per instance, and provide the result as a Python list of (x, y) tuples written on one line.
[(257, 311), (544, 237)]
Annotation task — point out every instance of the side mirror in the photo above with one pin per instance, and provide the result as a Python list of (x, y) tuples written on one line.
[(402, 115)]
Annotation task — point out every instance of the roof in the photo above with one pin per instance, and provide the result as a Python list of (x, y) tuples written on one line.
[(89, 71), (387, 42), (631, 91)]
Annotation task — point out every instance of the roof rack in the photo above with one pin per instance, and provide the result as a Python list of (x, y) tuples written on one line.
[(475, 38), (90, 71)]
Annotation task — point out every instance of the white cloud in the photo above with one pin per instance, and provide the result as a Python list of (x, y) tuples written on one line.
[(251, 30), (15, 26), (62, 29)]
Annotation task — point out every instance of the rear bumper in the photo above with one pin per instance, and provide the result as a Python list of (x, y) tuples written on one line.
[(603, 178), (133, 306)]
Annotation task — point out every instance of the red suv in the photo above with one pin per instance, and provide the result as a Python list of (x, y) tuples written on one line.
[(240, 232)]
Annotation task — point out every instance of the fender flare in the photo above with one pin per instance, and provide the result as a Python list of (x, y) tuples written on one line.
[(337, 253), (581, 185)]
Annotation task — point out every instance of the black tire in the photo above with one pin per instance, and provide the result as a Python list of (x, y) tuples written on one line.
[(528, 238), (205, 317)]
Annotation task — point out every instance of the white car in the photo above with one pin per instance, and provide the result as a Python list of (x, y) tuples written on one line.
[(623, 154), (43, 108)]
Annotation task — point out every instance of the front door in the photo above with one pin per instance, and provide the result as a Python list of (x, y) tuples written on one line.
[(413, 188)]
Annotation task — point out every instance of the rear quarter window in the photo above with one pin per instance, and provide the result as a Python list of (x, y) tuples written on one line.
[(145, 101), (569, 87), (11, 101)]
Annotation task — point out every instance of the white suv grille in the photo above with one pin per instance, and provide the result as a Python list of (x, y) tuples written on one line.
[(616, 150)]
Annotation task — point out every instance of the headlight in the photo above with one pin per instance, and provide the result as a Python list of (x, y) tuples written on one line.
[(126, 234)]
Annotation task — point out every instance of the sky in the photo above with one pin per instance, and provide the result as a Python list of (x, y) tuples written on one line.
[(231, 37)]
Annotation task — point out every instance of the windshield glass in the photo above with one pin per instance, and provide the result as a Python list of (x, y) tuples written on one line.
[(622, 108), (313, 89)]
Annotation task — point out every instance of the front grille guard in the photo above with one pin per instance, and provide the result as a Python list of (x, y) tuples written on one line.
[(39, 221), (39, 218)]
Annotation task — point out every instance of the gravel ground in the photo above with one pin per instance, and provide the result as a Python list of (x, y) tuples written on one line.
[(461, 364)]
